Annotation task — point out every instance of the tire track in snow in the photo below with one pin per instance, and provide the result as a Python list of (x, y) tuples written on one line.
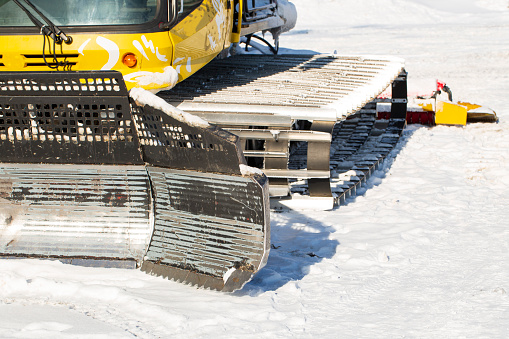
[(440, 281), (441, 268)]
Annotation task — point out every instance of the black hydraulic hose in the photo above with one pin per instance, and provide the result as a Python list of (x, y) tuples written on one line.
[(273, 49), (57, 64)]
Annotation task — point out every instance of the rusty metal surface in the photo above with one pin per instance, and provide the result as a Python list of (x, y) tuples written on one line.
[(208, 228), (74, 211), (205, 229)]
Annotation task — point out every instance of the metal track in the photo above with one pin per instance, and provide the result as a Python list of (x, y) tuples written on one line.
[(359, 154), (252, 95), (359, 146), (284, 84)]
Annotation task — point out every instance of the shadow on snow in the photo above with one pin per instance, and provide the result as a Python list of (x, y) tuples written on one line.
[(299, 241)]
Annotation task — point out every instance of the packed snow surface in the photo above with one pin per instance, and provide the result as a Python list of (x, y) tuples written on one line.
[(423, 252)]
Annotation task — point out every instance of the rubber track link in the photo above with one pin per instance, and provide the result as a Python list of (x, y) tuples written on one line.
[(359, 146)]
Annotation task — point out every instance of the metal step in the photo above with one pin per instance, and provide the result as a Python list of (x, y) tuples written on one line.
[(239, 119), (281, 135), (298, 173), (264, 154)]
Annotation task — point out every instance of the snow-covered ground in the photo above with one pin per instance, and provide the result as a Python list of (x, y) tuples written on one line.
[(423, 252)]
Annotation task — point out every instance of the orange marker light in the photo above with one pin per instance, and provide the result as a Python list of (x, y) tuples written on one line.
[(129, 60)]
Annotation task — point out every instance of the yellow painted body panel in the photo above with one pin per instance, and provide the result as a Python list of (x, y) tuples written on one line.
[(448, 113), (91, 52), (478, 113), (469, 106), (426, 104), (458, 113), (190, 45), (201, 36)]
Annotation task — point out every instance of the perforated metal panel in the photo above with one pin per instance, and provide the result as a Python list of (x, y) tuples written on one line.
[(167, 142), (83, 83), (79, 117)]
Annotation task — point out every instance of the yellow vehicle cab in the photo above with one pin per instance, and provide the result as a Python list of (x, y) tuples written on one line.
[(153, 43)]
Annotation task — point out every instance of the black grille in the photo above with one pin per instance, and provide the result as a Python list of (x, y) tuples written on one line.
[(77, 117), (87, 118), (168, 142), (64, 122), (52, 84)]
